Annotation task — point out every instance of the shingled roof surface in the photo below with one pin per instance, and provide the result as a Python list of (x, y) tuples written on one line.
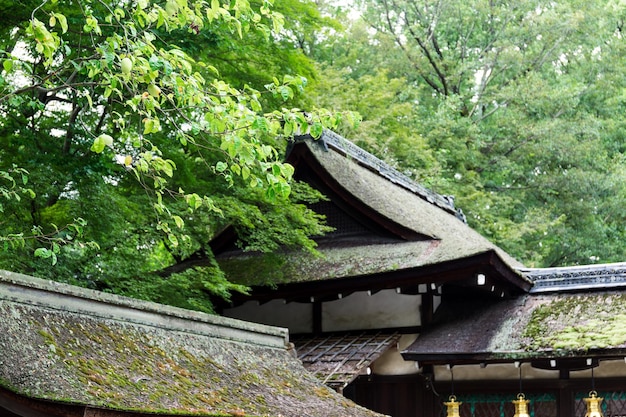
[(529, 327), (446, 237), (65, 345)]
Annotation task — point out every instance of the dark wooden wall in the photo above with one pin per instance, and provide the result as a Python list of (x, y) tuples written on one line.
[(403, 396), (415, 396)]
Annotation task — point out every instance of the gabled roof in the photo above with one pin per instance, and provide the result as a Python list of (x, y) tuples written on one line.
[(332, 140), (537, 328), (420, 233), (74, 352)]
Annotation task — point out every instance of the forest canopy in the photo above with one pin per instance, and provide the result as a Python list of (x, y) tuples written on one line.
[(133, 131)]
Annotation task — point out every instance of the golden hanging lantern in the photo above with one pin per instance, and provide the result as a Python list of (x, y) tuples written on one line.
[(521, 406), (453, 407), (593, 405)]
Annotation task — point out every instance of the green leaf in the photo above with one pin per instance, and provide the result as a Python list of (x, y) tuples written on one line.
[(194, 201), (62, 21), (289, 128), (43, 253), (316, 130), (221, 166), (101, 142), (148, 126), (180, 223), (245, 172), (7, 64)]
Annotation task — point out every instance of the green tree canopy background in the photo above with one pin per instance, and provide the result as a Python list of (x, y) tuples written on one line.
[(133, 131), (516, 108)]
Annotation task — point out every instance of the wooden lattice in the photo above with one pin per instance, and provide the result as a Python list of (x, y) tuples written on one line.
[(338, 359)]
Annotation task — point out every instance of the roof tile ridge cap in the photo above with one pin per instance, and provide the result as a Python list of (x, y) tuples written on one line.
[(88, 295), (572, 268), (330, 139)]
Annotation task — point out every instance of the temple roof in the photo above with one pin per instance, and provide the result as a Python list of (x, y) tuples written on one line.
[(532, 327), (72, 351), (577, 278), (365, 159), (421, 229)]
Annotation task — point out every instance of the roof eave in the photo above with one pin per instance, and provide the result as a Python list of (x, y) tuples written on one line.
[(548, 359), (440, 273)]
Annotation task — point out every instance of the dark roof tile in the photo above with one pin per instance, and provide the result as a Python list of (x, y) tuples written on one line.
[(525, 328)]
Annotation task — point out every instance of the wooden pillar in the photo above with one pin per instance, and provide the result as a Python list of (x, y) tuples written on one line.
[(427, 309), (565, 401)]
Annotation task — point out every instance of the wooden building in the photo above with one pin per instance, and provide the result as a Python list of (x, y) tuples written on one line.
[(407, 304)]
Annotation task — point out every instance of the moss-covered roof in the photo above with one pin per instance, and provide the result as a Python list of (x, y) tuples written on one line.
[(526, 328), (447, 237), (67, 345), (333, 263)]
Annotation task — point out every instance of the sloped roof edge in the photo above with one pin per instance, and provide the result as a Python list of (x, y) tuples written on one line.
[(330, 139), (74, 352), (406, 276), (68, 298), (577, 278)]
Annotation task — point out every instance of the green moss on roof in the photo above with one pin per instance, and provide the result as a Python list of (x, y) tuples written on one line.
[(65, 347), (332, 263), (122, 367), (527, 327), (582, 322)]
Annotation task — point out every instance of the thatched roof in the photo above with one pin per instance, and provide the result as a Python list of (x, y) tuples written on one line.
[(71, 351), (532, 327), (428, 229)]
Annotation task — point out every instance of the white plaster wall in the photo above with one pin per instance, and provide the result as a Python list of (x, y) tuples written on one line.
[(297, 317), (493, 371), (384, 309), (605, 369), (392, 363)]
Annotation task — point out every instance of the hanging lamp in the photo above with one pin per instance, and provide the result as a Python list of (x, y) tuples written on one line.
[(593, 401), (452, 405), (593, 405), (521, 403), (521, 406)]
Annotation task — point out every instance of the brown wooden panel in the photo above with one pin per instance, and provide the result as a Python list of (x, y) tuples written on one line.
[(404, 396)]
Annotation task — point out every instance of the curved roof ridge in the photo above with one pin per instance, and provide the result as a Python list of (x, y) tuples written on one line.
[(330, 139)]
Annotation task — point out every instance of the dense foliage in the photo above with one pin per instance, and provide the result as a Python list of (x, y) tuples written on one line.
[(131, 131), (516, 108)]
